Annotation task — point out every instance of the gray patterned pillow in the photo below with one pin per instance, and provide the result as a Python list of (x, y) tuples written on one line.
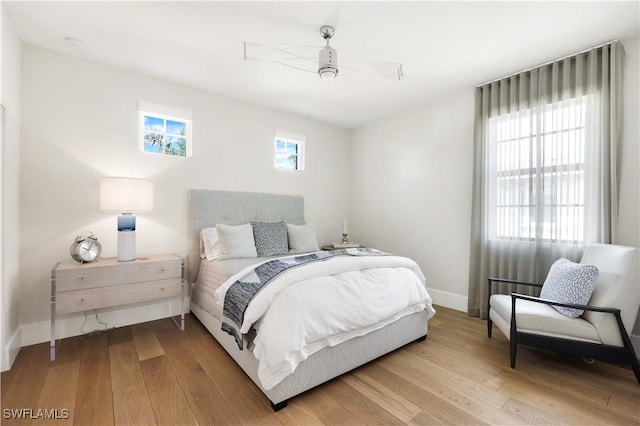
[(569, 282), (271, 238)]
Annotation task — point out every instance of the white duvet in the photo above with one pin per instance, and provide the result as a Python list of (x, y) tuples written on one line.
[(325, 303)]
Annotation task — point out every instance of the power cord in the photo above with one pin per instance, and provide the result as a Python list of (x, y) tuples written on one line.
[(97, 330)]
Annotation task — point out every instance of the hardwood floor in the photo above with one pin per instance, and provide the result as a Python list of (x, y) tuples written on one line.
[(153, 373)]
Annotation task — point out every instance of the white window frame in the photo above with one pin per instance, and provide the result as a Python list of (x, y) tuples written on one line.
[(165, 113), (289, 139), (574, 163)]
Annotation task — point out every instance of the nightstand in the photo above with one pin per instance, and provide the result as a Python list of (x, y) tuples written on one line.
[(80, 287)]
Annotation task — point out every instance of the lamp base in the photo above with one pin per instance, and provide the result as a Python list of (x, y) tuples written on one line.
[(126, 246)]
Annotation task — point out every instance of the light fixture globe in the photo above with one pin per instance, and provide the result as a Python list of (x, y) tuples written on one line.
[(327, 73)]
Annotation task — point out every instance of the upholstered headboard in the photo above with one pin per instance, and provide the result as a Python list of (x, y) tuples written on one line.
[(208, 208)]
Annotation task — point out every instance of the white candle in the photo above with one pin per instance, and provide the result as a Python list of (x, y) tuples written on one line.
[(344, 227)]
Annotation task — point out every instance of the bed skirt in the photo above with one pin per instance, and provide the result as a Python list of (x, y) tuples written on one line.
[(329, 362)]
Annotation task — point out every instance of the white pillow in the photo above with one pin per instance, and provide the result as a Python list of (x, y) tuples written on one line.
[(302, 239), (569, 282), (209, 244), (236, 241)]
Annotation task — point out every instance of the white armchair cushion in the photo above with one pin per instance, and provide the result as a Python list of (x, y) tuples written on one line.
[(569, 282), (605, 295), (538, 318), (617, 287)]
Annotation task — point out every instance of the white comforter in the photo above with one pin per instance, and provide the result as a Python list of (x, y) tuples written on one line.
[(325, 303)]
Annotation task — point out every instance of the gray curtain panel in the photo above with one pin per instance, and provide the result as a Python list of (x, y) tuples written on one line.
[(545, 179)]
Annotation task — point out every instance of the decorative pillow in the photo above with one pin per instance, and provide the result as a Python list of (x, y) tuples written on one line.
[(209, 244), (569, 282), (235, 241), (302, 239), (271, 238)]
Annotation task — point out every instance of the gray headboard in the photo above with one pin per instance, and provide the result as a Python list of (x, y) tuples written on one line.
[(208, 208)]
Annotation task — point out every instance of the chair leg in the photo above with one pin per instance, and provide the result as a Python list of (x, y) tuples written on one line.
[(636, 368), (513, 332), (635, 365), (489, 327)]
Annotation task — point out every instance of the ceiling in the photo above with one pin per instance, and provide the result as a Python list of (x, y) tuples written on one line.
[(443, 46)]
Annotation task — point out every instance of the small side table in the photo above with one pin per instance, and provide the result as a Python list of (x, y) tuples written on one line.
[(331, 247), (79, 287)]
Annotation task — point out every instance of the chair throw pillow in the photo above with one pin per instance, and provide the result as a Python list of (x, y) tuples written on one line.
[(271, 238), (569, 282)]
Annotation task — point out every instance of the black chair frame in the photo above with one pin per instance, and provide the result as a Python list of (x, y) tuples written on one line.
[(624, 355)]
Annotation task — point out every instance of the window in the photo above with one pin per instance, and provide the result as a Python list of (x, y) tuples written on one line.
[(545, 175), (164, 130), (539, 168), (289, 152)]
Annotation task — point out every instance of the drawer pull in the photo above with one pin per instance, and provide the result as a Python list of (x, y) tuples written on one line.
[(161, 269)]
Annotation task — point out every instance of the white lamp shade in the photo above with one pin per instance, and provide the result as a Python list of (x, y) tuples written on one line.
[(126, 195)]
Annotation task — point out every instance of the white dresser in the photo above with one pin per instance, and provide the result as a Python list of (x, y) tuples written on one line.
[(81, 287)]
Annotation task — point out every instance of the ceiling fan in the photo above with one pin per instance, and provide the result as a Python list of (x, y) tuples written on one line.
[(325, 62)]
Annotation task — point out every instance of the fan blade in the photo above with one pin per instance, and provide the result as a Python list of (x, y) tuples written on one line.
[(391, 70), (261, 51), (291, 66), (305, 58)]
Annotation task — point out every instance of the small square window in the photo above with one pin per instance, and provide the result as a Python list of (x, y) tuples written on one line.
[(162, 134), (289, 154)]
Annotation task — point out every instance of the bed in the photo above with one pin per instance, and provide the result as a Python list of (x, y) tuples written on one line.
[(209, 208)]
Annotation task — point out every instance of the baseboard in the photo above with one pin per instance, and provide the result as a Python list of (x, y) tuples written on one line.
[(10, 350), (72, 325), (448, 300)]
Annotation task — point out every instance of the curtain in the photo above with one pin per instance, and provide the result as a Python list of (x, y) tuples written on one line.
[(545, 173)]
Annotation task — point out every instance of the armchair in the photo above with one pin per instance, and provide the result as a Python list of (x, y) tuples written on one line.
[(600, 332)]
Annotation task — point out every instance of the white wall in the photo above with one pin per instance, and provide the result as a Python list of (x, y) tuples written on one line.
[(79, 123), (10, 169), (411, 191), (411, 185)]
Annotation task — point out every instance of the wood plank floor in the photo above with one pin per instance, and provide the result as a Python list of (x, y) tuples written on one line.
[(153, 373)]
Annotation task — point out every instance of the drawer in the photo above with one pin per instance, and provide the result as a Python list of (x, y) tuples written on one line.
[(110, 273), (103, 297)]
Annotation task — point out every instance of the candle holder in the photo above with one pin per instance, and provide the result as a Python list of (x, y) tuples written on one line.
[(345, 238)]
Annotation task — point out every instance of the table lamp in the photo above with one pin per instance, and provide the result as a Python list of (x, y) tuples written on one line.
[(126, 195)]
